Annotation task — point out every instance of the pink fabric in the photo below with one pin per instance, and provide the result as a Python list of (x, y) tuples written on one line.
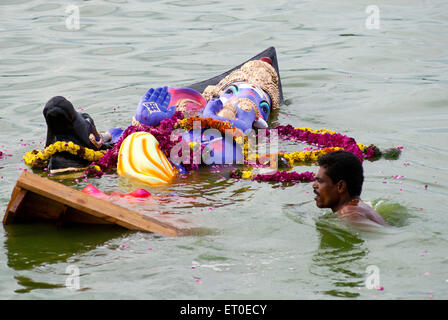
[(93, 191)]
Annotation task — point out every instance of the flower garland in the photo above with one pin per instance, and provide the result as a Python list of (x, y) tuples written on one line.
[(306, 156), (39, 158), (207, 123), (361, 146), (325, 138), (224, 127), (278, 176), (290, 159), (329, 140), (188, 124), (162, 133), (319, 131)]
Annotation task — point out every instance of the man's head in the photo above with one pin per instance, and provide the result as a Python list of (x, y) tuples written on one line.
[(339, 178)]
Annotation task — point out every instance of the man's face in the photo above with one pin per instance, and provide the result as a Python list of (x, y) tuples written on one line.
[(327, 195)]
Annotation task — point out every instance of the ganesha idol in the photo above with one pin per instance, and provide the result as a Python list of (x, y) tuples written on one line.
[(153, 148), (240, 102)]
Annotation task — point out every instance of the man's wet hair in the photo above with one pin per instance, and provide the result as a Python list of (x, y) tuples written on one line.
[(343, 165)]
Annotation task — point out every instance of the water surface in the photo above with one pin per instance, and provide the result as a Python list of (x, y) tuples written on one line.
[(382, 86)]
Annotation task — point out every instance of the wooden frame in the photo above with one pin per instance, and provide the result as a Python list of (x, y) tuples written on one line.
[(37, 198)]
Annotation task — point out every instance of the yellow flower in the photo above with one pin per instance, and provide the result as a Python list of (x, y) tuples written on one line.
[(27, 159), (319, 131), (181, 123), (306, 156), (246, 175), (36, 156), (361, 146), (58, 146)]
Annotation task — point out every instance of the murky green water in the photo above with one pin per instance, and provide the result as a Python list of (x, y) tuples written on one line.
[(387, 87)]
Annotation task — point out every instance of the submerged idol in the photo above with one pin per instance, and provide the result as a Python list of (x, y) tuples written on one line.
[(240, 101)]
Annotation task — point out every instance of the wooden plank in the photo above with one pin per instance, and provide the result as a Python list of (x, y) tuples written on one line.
[(39, 208), (99, 208), (76, 216), (61, 216), (17, 197), (36, 207)]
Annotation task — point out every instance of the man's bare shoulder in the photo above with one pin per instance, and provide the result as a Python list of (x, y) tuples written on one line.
[(357, 210)]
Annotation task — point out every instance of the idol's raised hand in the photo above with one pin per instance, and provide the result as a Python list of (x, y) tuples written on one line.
[(154, 107)]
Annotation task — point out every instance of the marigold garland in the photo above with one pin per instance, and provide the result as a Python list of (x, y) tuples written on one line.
[(278, 176), (330, 140), (162, 133), (222, 126), (327, 140), (207, 123), (319, 131), (306, 156), (291, 159), (361, 146), (39, 158)]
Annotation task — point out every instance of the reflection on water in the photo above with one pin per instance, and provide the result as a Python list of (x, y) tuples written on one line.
[(385, 87), (200, 191), (338, 258), (26, 248), (30, 285)]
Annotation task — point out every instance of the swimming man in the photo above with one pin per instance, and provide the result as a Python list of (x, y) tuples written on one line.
[(338, 185)]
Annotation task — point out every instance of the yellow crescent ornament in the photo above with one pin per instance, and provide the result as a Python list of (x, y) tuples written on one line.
[(141, 159)]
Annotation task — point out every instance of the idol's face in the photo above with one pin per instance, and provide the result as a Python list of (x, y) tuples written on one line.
[(243, 90)]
